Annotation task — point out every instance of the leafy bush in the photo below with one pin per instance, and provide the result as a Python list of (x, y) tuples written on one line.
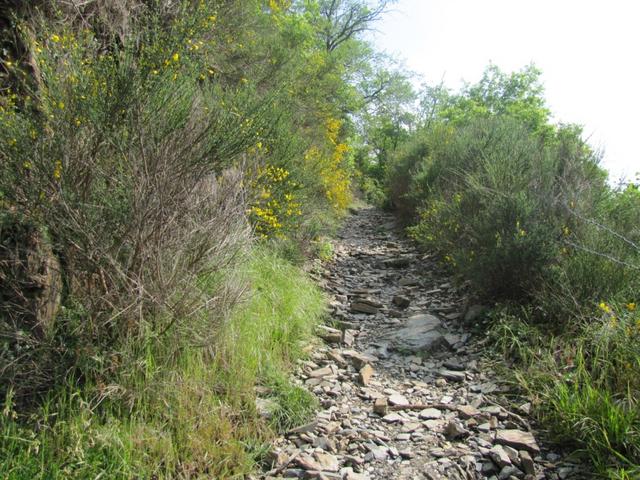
[(521, 208), (128, 170), (493, 202)]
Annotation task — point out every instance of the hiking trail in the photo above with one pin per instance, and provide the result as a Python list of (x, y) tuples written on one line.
[(403, 389)]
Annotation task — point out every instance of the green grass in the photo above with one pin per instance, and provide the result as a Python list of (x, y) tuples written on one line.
[(192, 416), (583, 384)]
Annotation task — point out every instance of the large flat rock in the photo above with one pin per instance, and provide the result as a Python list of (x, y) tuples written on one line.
[(421, 333)]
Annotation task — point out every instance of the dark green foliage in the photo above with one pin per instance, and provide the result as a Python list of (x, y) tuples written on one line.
[(494, 201), (521, 208)]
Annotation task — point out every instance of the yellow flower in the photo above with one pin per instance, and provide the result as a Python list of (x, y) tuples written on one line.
[(631, 306), (604, 307), (57, 171), (175, 57), (55, 38)]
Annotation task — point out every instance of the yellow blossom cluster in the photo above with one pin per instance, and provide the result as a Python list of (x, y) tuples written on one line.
[(330, 165), (625, 316), (275, 206), (277, 6)]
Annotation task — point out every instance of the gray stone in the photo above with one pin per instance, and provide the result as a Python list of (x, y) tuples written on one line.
[(357, 359), (321, 372), (399, 400), (509, 471), (265, 407), (451, 365), (499, 456), (365, 374), (400, 262), (376, 453), (468, 411), (348, 338), (454, 430), (430, 414), (293, 473), (324, 443), (306, 462), (518, 439), (452, 375), (360, 307), (421, 333), (401, 302), (407, 454), (330, 335), (526, 462), (327, 462), (380, 406), (474, 312), (392, 417)]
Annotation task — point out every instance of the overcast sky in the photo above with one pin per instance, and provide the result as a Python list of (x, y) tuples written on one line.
[(588, 51)]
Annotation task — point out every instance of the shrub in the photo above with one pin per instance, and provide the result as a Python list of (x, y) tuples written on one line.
[(584, 382), (127, 166), (493, 202)]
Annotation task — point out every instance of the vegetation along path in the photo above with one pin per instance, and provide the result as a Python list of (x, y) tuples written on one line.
[(402, 388)]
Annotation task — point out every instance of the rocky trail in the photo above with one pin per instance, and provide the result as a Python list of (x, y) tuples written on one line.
[(403, 390)]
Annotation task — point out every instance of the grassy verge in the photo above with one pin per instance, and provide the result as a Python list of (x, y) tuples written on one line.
[(582, 384), (190, 416)]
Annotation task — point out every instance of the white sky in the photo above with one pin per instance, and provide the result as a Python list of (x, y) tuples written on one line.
[(588, 51)]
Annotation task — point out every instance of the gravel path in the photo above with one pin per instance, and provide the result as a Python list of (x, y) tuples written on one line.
[(403, 391)]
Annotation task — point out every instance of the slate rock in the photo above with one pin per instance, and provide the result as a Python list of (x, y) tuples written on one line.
[(499, 456), (327, 462), (361, 307), (430, 414), (399, 400), (454, 430), (401, 302), (420, 333), (526, 462), (517, 439), (453, 375), (365, 374), (468, 411)]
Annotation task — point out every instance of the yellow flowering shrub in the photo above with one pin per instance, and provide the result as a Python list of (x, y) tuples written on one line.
[(334, 175), (275, 207)]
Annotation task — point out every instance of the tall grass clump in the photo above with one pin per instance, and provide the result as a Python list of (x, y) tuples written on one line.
[(194, 414)]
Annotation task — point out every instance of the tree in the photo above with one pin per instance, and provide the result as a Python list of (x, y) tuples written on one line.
[(337, 21), (388, 113), (517, 94)]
